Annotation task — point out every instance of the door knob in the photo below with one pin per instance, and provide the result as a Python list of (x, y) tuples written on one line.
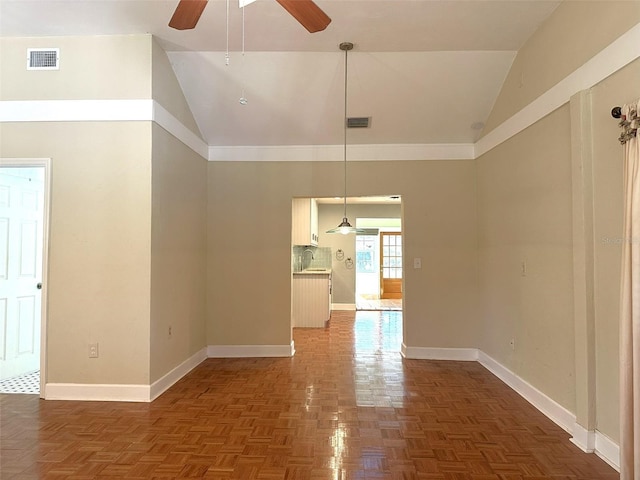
[(39, 286)]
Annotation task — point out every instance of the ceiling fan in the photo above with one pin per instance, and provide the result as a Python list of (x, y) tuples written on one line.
[(306, 12)]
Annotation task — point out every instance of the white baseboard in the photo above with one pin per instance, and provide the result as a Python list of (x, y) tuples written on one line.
[(148, 393), (556, 412), (166, 381), (248, 351), (343, 306), (122, 392), (608, 450), (97, 392), (433, 353), (593, 441), (588, 441), (584, 439)]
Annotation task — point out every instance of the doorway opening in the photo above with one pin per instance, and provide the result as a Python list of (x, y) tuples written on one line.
[(23, 229), (379, 264)]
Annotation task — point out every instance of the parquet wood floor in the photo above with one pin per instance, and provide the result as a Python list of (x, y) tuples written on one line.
[(346, 406)]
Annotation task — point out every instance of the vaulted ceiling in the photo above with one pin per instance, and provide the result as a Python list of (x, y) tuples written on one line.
[(425, 71)]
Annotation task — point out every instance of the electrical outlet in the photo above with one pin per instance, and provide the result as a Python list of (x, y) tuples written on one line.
[(523, 268), (93, 350)]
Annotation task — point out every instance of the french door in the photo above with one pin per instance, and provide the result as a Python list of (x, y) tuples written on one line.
[(391, 265)]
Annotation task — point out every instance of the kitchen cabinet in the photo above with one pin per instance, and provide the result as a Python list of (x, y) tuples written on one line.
[(305, 222), (311, 299)]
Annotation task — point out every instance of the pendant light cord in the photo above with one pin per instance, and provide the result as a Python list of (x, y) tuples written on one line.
[(243, 100), (226, 57), (243, 32), (346, 52)]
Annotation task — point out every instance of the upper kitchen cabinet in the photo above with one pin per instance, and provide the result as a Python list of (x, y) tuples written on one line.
[(305, 222)]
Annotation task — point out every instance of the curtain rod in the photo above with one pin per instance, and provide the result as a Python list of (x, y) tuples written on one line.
[(616, 112)]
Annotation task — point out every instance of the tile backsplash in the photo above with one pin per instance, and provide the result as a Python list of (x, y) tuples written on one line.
[(301, 257)]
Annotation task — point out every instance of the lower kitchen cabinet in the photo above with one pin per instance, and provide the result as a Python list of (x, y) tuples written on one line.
[(311, 299)]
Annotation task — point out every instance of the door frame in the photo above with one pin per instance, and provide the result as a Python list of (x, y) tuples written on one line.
[(46, 163), (382, 277)]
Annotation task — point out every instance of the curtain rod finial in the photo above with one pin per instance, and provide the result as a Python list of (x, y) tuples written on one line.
[(616, 112)]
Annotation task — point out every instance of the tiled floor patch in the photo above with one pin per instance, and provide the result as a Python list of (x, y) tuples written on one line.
[(27, 383), (372, 302)]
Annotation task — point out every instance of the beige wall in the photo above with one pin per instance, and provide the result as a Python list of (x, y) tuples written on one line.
[(525, 191), (178, 253), (100, 228), (112, 278), (99, 245), (178, 233), (91, 68), (573, 34), (249, 287), (524, 205), (616, 90), (525, 214)]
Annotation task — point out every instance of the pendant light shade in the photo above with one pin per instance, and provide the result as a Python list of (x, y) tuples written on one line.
[(345, 227)]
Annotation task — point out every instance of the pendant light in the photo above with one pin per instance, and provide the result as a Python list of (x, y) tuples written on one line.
[(345, 227)]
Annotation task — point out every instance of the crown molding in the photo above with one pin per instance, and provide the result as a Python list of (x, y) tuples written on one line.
[(335, 153), (621, 52)]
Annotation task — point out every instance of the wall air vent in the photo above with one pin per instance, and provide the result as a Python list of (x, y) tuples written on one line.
[(358, 122), (43, 59)]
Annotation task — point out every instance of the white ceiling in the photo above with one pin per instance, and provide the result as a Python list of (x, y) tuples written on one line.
[(424, 70)]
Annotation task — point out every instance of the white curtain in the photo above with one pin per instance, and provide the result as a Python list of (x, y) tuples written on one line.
[(630, 301)]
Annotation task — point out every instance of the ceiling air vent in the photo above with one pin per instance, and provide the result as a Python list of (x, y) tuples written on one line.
[(43, 59), (358, 122)]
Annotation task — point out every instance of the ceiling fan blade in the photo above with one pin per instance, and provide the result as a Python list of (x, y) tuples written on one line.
[(187, 14), (307, 13)]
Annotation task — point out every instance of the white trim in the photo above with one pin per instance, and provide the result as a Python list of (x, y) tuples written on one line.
[(587, 441), (46, 164), (75, 110), (612, 58), (170, 378), (335, 153), (250, 351), (584, 439), (556, 412), (176, 128), (607, 450), (119, 392), (343, 306), (617, 55), (101, 111), (435, 353), (97, 392)]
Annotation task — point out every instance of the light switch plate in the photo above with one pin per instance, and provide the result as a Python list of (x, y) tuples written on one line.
[(417, 262)]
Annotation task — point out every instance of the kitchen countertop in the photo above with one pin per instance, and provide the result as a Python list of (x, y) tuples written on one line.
[(314, 271)]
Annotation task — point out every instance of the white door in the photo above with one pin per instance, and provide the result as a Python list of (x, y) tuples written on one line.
[(21, 242)]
